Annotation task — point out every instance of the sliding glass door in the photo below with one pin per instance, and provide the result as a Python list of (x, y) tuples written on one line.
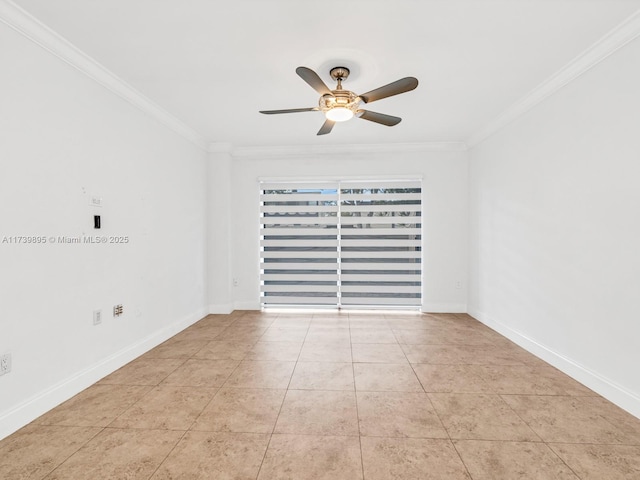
[(347, 243)]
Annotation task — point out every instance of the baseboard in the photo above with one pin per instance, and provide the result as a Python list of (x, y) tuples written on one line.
[(247, 306), (27, 411), (607, 388), (444, 308), (221, 308)]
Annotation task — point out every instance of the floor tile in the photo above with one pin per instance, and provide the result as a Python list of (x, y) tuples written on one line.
[(451, 378), (202, 373), (296, 322), (411, 459), (480, 417), (377, 377), (398, 414), (176, 349), (199, 334), (143, 371), (215, 320), (566, 419), (462, 355), (369, 322), (116, 453), (322, 376), (372, 335), (261, 375), (441, 336), (284, 334), (241, 334), (241, 410), (316, 412), (166, 407), (96, 406), (279, 351), (378, 353), (530, 380), (325, 352), (34, 451), (309, 457), (619, 418), (512, 461), (215, 455), (224, 350), (598, 462), (337, 336)]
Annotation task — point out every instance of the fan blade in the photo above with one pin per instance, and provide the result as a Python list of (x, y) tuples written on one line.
[(314, 80), (399, 86), (381, 118), (326, 127), (291, 110)]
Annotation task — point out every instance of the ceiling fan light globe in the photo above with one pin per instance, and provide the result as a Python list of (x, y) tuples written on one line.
[(339, 114)]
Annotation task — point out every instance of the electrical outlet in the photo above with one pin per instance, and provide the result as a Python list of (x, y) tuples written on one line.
[(97, 317), (5, 363), (118, 310)]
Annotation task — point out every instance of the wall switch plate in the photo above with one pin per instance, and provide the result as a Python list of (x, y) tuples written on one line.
[(5, 363), (97, 317), (95, 202), (118, 310)]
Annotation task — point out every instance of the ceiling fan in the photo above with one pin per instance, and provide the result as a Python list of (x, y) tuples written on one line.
[(340, 105)]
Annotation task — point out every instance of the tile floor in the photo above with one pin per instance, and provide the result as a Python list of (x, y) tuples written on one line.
[(350, 396)]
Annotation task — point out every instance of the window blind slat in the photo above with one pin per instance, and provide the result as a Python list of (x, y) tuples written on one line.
[(298, 197), (379, 220), (396, 197), (299, 277), (367, 207), (380, 301), (297, 208), (299, 288), (380, 243), (392, 254), (291, 300), (298, 254)]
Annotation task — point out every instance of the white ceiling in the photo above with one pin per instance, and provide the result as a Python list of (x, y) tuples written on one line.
[(214, 64)]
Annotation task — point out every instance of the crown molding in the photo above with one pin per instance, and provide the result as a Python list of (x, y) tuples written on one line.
[(25, 24), (322, 150), (612, 41)]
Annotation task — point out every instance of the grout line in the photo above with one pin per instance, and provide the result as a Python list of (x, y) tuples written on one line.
[(169, 453), (561, 459), (460, 457), (355, 395), (74, 452)]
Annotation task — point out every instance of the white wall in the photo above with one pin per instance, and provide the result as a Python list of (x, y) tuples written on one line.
[(555, 228), (219, 221), (64, 138), (444, 211)]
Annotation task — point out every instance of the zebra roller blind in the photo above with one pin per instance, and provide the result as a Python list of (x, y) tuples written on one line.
[(348, 243)]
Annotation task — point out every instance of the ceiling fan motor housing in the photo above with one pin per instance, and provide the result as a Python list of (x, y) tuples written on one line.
[(339, 98)]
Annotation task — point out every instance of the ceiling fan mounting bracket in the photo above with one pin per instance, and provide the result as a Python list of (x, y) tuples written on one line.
[(339, 73)]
